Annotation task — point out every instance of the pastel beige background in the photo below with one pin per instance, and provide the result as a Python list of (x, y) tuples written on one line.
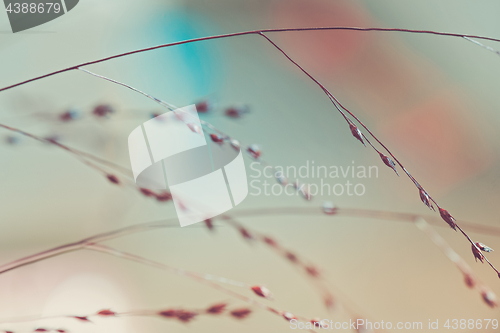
[(433, 99)]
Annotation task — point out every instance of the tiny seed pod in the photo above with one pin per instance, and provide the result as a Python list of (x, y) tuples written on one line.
[(484, 248), (236, 111), (204, 106), (317, 323), (262, 291), (448, 218), (69, 115), (477, 254), (329, 208), (469, 280), (167, 313), (106, 313), (269, 241), (357, 133), (216, 138), (280, 178), (313, 271), (113, 179), (195, 128), (289, 316), (426, 199), (146, 192), (292, 257), (489, 298), (41, 330), (217, 308), (185, 316), (209, 224), (240, 313), (303, 190), (254, 151), (82, 318), (390, 163), (235, 144), (163, 196), (103, 110), (245, 233)]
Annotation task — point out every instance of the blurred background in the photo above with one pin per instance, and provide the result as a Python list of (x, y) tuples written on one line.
[(432, 99)]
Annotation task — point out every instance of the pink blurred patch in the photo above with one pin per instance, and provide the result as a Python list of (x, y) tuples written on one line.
[(434, 136), (325, 51)]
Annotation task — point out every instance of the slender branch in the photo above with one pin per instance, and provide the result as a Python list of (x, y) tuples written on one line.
[(427, 32), (340, 107), (482, 45), (200, 278), (291, 211), (471, 280), (334, 100)]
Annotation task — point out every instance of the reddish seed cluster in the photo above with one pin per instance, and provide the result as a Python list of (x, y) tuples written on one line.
[(245, 233), (217, 308), (269, 241), (147, 192), (103, 110), (254, 151), (289, 316), (209, 224), (390, 163), (484, 248), (262, 291), (312, 271), (329, 208), (356, 133), (113, 179), (69, 115), (448, 218), (477, 254), (203, 106), (160, 196), (163, 196), (182, 315), (235, 144), (236, 111), (469, 281), (489, 298), (195, 128), (292, 257), (425, 199), (106, 313), (241, 313), (217, 138)]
